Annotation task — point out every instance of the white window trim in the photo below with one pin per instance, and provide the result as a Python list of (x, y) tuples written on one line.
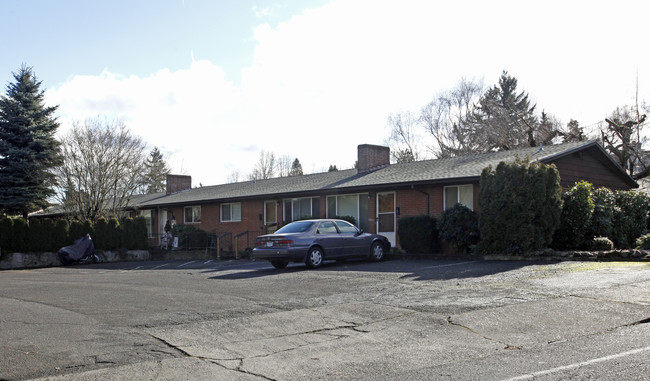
[(458, 187), (311, 206), (184, 216), (266, 221), (230, 204)]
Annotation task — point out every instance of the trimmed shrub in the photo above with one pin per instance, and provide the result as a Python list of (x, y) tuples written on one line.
[(127, 230), (20, 235), (189, 236), (458, 226), (603, 215), (418, 234), (630, 218), (575, 220), (79, 229), (60, 235), (523, 199), (6, 231), (102, 234), (140, 233), (48, 231), (113, 237), (41, 235), (601, 244), (643, 242)]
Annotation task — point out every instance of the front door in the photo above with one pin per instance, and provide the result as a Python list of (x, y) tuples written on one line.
[(386, 215)]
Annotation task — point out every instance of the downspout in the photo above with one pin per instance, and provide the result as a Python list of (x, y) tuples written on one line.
[(426, 194)]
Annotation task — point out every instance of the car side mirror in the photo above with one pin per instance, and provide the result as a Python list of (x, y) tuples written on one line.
[(359, 232)]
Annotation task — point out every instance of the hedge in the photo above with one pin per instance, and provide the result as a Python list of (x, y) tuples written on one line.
[(45, 235), (418, 234)]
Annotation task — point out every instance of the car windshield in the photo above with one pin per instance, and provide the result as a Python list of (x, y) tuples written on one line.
[(296, 227)]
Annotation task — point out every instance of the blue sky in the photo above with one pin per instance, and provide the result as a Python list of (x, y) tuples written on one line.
[(213, 83)]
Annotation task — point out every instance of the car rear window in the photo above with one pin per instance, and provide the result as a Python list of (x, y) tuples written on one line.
[(296, 227)]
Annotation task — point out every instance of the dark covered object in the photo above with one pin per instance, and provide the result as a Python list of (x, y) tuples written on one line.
[(80, 249)]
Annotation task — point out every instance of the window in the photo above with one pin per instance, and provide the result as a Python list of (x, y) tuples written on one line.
[(326, 227), (231, 212), (353, 205), (346, 228), (192, 214), (463, 194), (301, 208), (270, 213)]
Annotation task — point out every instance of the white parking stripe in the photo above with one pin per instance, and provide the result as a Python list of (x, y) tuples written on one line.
[(449, 265), (157, 267), (577, 365), (186, 263)]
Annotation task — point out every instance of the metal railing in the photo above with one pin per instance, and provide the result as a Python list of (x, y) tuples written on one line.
[(223, 244)]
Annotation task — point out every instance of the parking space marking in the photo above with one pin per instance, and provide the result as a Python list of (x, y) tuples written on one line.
[(531, 376), (159, 266), (186, 263), (449, 265)]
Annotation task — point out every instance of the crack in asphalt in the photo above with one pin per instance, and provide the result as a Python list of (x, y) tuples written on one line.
[(506, 345)]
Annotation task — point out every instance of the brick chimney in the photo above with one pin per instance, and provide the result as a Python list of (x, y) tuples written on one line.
[(371, 157), (177, 183)]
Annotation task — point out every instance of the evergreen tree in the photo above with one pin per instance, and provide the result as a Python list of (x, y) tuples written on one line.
[(296, 168), (28, 148), (505, 119), (333, 168), (156, 171)]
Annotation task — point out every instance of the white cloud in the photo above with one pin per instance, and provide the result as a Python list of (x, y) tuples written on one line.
[(326, 80)]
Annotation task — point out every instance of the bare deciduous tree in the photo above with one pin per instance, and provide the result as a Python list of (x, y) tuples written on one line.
[(622, 138), (404, 138), (446, 119), (103, 165), (284, 166), (265, 167)]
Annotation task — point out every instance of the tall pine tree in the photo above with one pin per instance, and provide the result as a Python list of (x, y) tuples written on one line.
[(505, 119), (28, 148), (156, 171)]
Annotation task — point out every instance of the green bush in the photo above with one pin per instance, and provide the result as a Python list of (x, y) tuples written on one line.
[(141, 233), (113, 238), (20, 235), (575, 220), (41, 235), (6, 231), (60, 236), (189, 236), (630, 219), (48, 238), (79, 229), (643, 242), (418, 234), (458, 226), (102, 234), (602, 217), (523, 199), (601, 244)]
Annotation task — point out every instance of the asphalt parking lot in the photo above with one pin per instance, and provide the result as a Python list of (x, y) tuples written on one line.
[(400, 319)]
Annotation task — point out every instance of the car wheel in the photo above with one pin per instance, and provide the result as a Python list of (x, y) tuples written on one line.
[(377, 252), (314, 257), (279, 264)]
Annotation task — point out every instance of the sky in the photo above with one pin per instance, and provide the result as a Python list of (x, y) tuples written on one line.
[(213, 83)]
